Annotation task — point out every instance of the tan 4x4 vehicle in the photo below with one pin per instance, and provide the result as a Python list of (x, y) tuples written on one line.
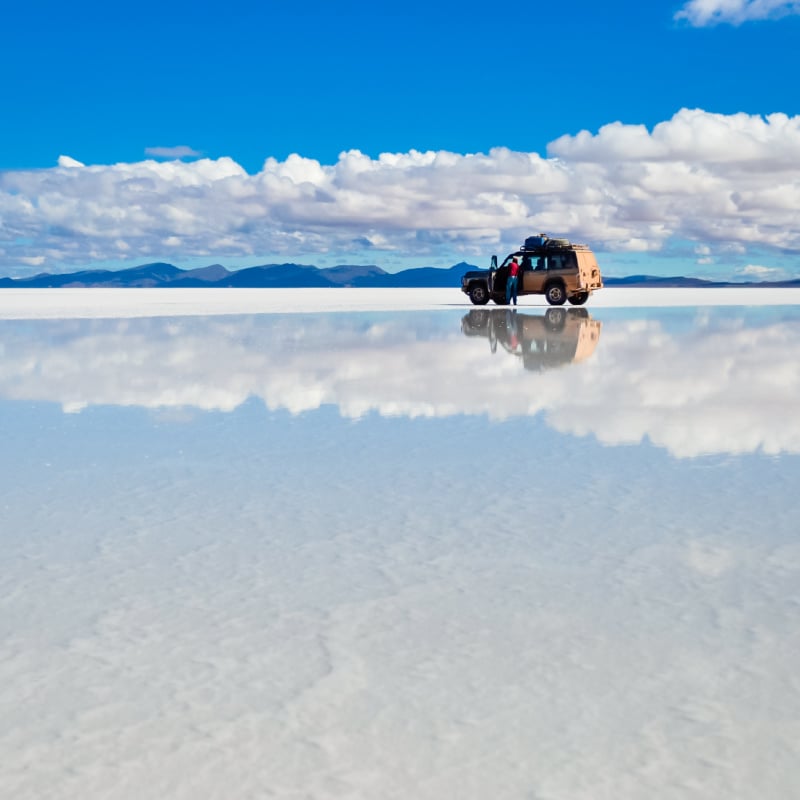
[(556, 268)]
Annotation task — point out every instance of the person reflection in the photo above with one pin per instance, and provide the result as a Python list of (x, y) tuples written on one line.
[(513, 332)]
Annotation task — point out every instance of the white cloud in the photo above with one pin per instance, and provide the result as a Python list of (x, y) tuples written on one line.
[(181, 151), (701, 13), (66, 162), (703, 253), (725, 183), (761, 272)]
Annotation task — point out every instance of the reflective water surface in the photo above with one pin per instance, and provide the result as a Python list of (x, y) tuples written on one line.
[(547, 554)]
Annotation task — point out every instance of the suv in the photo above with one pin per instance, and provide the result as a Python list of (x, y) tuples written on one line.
[(556, 268)]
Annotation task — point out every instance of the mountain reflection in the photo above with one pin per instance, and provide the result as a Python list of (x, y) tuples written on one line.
[(696, 386), (543, 341)]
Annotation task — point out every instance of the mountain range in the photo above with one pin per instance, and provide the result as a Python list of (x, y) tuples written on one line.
[(162, 275)]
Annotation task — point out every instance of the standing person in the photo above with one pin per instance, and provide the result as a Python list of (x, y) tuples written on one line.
[(511, 283)]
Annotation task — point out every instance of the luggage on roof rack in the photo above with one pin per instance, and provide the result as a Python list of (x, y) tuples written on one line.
[(542, 240), (532, 242)]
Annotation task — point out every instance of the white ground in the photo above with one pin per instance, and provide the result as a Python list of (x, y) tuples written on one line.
[(89, 303), (228, 613), (307, 606)]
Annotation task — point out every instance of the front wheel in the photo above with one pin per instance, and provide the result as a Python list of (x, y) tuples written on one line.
[(578, 299), (555, 294), (479, 294)]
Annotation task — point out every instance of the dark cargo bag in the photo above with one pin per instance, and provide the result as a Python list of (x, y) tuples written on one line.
[(532, 242)]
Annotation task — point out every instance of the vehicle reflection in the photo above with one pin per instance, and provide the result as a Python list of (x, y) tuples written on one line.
[(543, 341)]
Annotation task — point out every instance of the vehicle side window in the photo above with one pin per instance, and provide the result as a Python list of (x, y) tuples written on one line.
[(561, 261)]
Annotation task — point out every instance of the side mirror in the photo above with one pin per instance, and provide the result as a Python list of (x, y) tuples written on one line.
[(494, 263)]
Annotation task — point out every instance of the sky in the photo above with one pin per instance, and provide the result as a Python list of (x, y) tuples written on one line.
[(666, 135)]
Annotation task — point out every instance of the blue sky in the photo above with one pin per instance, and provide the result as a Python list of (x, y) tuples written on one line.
[(226, 87)]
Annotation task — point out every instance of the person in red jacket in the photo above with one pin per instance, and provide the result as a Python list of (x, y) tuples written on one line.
[(511, 283)]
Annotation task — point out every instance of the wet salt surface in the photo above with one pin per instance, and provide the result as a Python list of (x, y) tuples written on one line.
[(401, 555)]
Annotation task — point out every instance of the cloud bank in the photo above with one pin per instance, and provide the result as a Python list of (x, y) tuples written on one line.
[(701, 13), (719, 181)]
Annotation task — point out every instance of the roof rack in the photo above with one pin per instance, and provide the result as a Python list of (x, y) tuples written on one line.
[(543, 241)]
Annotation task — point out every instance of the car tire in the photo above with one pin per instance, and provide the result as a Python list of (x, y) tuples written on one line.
[(578, 299), (500, 300), (555, 294), (479, 294)]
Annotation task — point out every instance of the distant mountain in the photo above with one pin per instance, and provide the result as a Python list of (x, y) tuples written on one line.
[(292, 276), (156, 274), (429, 276), (265, 276), (349, 275), (275, 276), (216, 272), (652, 280)]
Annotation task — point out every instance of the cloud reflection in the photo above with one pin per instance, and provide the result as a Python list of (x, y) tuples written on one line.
[(715, 386)]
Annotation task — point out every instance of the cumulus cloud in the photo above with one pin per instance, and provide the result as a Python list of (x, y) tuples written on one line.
[(729, 181), (66, 161), (701, 13), (181, 151)]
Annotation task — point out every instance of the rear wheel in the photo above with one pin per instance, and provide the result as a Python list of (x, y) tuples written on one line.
[(578, 299), (500, 299), (479, 294), (555, 294)]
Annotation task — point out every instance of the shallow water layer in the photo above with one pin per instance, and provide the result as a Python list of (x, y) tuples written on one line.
[(461, 553)]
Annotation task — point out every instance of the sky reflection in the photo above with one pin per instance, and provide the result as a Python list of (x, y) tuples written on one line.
[(693, 382)]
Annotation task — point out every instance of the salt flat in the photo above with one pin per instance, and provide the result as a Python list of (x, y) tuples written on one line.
[(400, 556), (99, 303)]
